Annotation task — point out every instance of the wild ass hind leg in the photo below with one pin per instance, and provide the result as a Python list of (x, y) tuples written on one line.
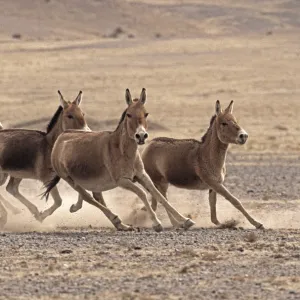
[(13, 188), (57, 203), (6, 203), (221, 189), (115, 220), (162, 188), (78, 205), (212, 204), (3, 215), (129, 185), (146, 181)]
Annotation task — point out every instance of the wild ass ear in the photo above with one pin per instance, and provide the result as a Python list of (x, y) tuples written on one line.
[(128, 97), (229, 109), (143, 96), (63, 102), (218, 107), (78, 99)]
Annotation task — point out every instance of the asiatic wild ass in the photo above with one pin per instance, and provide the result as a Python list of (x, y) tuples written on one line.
[(27, 153), (197, 165), (101, 161), (6, 203)]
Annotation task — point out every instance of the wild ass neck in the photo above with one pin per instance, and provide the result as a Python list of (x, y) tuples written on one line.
[(127, 146), (215, 150), (54, 128)]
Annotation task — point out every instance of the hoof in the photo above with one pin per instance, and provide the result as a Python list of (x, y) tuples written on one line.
[(123, 227), (158, 228), (40, 217), (187, 224), (73, 208), (216, 223), (260, 226)]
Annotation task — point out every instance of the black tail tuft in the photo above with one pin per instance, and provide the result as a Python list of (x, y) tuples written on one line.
[(49, 186)]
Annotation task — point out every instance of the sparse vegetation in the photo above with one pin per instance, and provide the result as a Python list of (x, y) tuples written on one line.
[(228, 224), (250, 237)]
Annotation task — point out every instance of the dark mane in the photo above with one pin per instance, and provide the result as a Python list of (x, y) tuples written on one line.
[(54, 119), (122, 118), (208, 129)]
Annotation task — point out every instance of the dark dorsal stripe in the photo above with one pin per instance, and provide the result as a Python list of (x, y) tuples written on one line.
[(209, 128), (122, 118), (54, 119)]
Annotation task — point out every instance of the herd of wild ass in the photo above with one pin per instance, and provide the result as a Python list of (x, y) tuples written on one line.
[(100, 161)]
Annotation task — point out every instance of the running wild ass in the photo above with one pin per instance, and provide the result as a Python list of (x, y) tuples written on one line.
[(197, 165), (101, 161), (27, 154)]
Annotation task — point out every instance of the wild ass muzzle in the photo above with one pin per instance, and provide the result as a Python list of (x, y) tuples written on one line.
[(197, 165), (27, 154), (101, 161)]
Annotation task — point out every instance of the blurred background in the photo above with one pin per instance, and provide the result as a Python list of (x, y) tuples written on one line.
[(187, 54)]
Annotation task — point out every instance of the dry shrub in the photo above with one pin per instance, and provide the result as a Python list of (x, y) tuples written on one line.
[(210, 256), (250, 237), (228, 224), (187, 252), (187, 268)]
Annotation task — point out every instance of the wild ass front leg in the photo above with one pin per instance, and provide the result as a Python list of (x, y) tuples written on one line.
[(89, 199), (3, 215), (163, 190), (145, 180), (221, 189), (129, 185), (78, 205), (212, 203), (13, 188), (57, 203)]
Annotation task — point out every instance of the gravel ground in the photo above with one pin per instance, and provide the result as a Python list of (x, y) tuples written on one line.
[(202, 263), (197, 264), (264, 176)]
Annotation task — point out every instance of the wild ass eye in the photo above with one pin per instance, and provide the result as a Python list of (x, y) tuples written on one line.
[(129, 115), (70, 116), (146, 115), (224, 124)]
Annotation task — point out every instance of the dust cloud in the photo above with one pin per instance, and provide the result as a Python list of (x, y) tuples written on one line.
[(195, 204)]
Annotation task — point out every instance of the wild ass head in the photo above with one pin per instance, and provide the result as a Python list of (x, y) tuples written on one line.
[(136, 117), (72, 115), (228, 129)]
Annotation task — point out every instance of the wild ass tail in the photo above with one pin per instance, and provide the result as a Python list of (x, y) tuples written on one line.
[(49, 186)]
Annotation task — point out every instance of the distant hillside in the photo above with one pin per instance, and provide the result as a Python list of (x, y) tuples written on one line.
[(77, 19)]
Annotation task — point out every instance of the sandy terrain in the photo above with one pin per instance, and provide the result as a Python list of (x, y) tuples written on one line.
[(187, 54)]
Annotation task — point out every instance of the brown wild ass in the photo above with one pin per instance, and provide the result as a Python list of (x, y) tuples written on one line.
[(7, 204), (101, 161), (197, 165), (3, 212), (27, 154)]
